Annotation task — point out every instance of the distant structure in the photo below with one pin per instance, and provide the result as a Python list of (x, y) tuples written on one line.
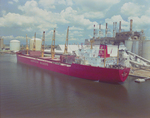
[(134, 41), (118, 37), (14, 45), (35, 42), (1, 43)]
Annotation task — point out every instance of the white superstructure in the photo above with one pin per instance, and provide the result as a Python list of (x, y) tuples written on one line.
[(93, 56)]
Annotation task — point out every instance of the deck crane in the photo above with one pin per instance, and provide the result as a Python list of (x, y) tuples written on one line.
[(53, 45), (43, 44), (66, 43), (92, 40), (34, 43), (27, 48)]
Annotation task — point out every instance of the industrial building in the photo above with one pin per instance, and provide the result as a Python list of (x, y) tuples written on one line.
[(133, 40), (1, 43)]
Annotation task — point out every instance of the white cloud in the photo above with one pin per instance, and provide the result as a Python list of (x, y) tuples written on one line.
[(21, 38), (69, 2), (96, 5), (131, 9), (15, 0), (75, 28), (52, 3), (12, 19), (11, 37), (147, 12), (93, 15), (10, 2), (77, 20), (117, 18), (76, 33), (47, 3), (140, 23), (3, 12)]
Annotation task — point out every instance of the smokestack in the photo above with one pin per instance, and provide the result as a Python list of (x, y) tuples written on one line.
[(120, 26), (99, 30), (131, 21), (113, 29), (94, 33), (106, 31)]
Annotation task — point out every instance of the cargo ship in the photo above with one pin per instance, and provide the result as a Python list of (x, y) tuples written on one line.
[(98, 64)]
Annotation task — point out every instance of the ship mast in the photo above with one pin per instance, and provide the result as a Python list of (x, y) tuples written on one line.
[(53, 45), (27, 48), (34, 46), (43, 44), (92, 40), (66, 43)]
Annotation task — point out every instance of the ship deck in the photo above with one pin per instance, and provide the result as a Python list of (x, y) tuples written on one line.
[(143, 72)]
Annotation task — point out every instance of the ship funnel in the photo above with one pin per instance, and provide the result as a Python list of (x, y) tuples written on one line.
[(120, 26), (114, 28), (106, 31), (94, 33), (99, 30), (131, 21)]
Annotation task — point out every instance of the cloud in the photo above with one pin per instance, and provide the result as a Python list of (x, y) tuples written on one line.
[(10, 2), (96, 5), (117, 18), (12, 19), (75, 28), (75, 19), (15, 0), (147, 12), (131, 9), (11, 37), (3, 12), (93, 15), (52, 3), (140, 23), (47, 3)]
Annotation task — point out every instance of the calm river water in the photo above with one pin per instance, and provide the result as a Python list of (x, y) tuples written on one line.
[(30, 92)]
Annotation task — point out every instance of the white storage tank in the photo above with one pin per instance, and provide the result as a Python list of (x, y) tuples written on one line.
[(128, 44), (146, 49), (37, 44), (136, 47), (14, 45)]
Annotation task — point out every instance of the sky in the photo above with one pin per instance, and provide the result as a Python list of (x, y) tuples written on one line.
[(21, 17)]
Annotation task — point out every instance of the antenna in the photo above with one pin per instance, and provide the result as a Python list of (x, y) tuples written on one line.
[(106, 30), (43, 44), (53, 45), (27, 48), (66, 43), (34, 43), (92, 40)]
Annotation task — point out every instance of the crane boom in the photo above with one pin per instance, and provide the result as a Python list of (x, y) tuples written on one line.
[(27, 48), (43, 44), (53, 45), (92, 40), (34, 43), (66, 43)]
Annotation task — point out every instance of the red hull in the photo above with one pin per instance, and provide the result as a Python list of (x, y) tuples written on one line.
[(77, 70)]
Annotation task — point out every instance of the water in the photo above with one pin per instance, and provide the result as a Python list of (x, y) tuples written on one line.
[(30, 92)]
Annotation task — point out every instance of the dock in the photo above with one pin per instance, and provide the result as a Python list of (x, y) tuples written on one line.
[(140, 72)]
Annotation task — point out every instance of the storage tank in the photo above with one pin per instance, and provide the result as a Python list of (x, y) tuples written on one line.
[(14, 45), (146, 49), (128, 44), (136, 47), (37, 44)]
